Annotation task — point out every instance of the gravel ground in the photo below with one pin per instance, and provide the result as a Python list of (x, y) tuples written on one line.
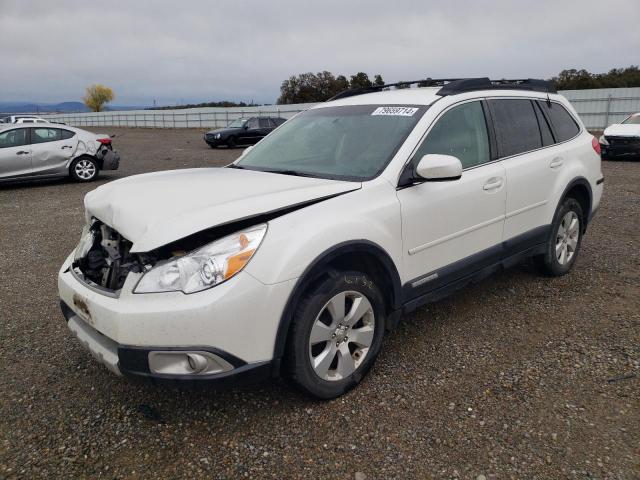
[(517, 377)]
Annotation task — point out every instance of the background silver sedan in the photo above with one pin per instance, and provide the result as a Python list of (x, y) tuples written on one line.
[(49, 150)]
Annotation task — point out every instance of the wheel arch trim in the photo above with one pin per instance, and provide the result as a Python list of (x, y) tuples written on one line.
[(583, 182), (313, 271)]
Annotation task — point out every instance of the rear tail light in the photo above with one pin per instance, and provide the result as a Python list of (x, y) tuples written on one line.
[(105, 141), (596, 145)]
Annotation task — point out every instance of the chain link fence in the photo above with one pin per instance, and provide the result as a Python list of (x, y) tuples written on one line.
[(598, 109), (187, 118)]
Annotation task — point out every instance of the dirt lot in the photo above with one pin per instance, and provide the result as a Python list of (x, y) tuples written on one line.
[(517, 377)]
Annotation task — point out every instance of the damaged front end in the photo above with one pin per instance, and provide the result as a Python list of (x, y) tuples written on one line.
[(103, 259)]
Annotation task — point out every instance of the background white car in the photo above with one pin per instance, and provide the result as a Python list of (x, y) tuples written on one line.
[(622, 139), (24, 119), (36, 151)]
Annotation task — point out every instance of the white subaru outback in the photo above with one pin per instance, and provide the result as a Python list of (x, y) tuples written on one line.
[(298, 257)]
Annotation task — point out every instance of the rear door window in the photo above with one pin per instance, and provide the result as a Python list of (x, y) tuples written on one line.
[(563, 123), (545, 129), (43, 135), (516, 126)]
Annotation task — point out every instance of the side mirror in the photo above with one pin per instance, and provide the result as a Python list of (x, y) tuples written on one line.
[(245, 127), (437, 167)]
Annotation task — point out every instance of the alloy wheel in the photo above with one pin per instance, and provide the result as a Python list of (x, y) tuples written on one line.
[(567, 238), (341, 336), (85, 169)]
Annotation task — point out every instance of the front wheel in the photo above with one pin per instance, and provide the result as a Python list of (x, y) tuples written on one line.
[(336, 334), (231, 142), (83, 169), (565, 239)]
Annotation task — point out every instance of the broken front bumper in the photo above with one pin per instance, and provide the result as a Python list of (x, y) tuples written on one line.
[(221, 335), (144, 362)]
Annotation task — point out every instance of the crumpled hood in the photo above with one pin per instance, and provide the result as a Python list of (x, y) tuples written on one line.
[(154, 209), (623, 130)]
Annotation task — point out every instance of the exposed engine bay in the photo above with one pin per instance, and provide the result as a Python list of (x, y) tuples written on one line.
[(106, 260)]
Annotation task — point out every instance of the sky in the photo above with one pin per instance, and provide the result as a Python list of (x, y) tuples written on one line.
[(193, 51)]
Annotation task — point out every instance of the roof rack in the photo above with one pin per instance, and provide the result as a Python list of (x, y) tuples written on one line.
[(452, 86)]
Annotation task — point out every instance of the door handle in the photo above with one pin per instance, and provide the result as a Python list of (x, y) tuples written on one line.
[(492, 184), (556, 162), (22, 152), (66, 146)]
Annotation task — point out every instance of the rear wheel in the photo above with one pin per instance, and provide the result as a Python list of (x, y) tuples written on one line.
[(336, 334), (84, 169), (565, 240)]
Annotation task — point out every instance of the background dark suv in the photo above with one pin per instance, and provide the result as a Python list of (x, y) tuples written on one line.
[(243, 131)]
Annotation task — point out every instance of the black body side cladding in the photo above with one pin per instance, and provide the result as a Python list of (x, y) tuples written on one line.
[(446, 280)]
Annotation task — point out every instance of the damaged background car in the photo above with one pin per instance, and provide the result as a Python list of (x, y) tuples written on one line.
[(29, 152), (622, 140)]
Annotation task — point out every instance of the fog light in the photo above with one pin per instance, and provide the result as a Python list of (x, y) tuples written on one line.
[(187, 363), (197, 362)]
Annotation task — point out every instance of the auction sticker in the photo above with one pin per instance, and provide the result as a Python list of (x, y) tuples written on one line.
[(396, 111)]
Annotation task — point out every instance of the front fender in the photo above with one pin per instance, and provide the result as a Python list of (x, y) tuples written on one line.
[(294, 241)]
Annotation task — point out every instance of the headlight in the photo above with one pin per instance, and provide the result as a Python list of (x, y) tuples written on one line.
[(205, 267), (87, 240), (603, 140), (217, 136)]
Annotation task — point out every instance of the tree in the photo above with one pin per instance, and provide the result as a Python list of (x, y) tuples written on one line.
[(96, 96), (573, 79), (360, 80), (318, 87), (311, 87)]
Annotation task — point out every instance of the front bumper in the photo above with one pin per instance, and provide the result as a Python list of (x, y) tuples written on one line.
[(235, 323), (214, 142), (134, 361), (620, 150)]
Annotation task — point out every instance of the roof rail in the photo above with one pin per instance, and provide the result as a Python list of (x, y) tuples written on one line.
[(452, 86), (484, 83)]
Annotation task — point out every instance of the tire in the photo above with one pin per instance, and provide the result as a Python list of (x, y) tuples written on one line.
[(332, 363), (564, 242), (84, 169), (212, 145), (231, 142)]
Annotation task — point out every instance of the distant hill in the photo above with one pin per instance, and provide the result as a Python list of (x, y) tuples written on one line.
[(63, 107)]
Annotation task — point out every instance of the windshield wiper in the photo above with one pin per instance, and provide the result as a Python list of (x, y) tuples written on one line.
[(294, 173)]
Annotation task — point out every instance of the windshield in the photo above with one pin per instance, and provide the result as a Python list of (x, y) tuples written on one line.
[(237, 123), (633, 120), (354, 142)]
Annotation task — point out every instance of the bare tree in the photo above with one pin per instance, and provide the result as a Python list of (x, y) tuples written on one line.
[(97, 96)]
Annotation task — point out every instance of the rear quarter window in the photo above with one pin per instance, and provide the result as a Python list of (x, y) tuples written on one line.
[(66, 134), (516, 126), (563, 123)]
